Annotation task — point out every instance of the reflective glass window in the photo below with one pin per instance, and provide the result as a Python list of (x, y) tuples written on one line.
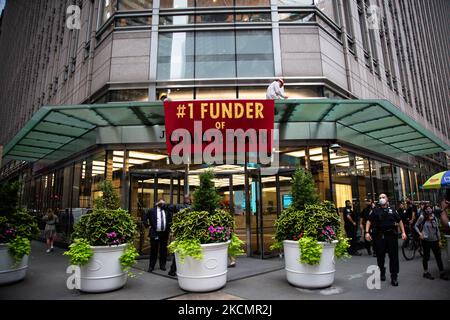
[(215, 54), (134, 21), (215, 18), (129, 5), (253, 17), (176, 4), (176, 20), (252, 3), (176, 55), (254, 53), (215, 3), (297, 17), (108, 9)]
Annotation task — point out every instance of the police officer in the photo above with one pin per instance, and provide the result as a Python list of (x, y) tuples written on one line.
[(384, 221), (350, 223)]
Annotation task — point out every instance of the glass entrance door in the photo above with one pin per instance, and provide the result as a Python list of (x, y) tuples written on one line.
[(145, 190)]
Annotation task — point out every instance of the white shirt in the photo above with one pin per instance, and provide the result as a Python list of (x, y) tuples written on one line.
[(160, 213), (274, 91)]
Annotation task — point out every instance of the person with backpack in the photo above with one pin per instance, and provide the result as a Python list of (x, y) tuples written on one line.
[(427, 226)]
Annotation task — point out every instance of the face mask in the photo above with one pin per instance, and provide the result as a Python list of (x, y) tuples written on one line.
[(382, 201)]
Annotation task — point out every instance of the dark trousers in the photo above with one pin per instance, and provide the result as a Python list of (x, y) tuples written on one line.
[(387, 243), (434, 246), (161, 244), (368, 246), (173, 267), (350, 230)]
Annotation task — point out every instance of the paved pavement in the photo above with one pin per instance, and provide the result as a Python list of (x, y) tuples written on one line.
[(251, 279)]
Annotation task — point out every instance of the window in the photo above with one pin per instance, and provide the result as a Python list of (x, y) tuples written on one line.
[(218, 54), (176, 55), (128, 95), (254, 53), (249, 3), (297, 17), (177, 4), (129, 5), (253, 17), (215, 3), (134, 21), (295, 2), (328, 7), (215, 54), (108, 9)]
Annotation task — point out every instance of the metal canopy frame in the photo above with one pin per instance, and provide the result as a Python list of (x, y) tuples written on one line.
[(56, 132)]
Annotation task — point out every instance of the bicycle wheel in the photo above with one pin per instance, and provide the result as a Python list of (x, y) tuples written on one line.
[(408, 249)]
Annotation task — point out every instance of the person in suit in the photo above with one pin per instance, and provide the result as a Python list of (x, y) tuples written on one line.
[(159, 220)]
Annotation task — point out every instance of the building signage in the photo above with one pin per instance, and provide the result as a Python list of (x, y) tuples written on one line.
[(219, 127)]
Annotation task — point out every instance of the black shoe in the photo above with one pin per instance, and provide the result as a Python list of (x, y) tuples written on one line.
[(163, 268), (172, 273), (356, 253), (428, 275), (443, 277), (151, 269), (369, 252), (394, 282), (383, 277), (374, 255)]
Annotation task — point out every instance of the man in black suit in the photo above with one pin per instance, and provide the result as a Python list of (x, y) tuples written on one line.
[(159, 219)]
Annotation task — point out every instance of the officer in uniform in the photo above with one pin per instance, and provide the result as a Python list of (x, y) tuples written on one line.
[(384, 221), (350, 222)]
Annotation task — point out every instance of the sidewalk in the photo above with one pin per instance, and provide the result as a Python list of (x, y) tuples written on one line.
[(250, 279)]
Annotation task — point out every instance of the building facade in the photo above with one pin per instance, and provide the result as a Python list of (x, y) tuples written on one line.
[(128, 52)]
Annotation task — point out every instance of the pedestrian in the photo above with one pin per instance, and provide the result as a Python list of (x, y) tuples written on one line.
[(427, 226), (411, 212), (159, 221), (385, 221), (51, 220), (187, 203), (445, 205), (350, 226), (275, 90), (367, 211)]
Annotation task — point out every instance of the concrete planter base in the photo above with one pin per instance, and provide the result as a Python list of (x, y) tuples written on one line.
[(10, 271), (204, 275), (103, 272), (306, 276)]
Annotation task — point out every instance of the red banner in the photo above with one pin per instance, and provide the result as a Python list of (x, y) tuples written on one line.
[(232, 124)]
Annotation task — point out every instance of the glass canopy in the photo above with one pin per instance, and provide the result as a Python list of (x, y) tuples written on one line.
[(56, 132)]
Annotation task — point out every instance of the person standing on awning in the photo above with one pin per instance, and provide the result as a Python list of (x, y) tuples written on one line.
[(275, 90)]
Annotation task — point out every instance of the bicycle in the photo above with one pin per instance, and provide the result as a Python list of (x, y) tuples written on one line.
[(411, 245)]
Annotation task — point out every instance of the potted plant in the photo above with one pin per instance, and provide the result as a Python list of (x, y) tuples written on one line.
[(103, 245), (204, 237), (17, 229), (310, 233)]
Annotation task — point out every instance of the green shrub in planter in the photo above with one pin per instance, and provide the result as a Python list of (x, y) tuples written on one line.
[(204, 223), (309, 221), (106, 225), (17, 230)]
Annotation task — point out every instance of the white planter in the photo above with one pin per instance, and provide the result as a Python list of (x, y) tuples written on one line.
[(103, 272), (448, 247), (9, 272), (204, 275), (304, 275)]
